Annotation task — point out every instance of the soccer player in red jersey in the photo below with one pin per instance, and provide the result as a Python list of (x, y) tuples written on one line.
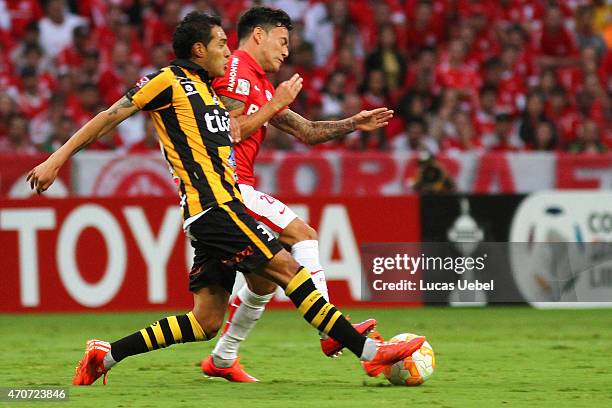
[(245, 90)]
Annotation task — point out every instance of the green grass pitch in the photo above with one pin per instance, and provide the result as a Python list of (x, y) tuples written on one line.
[(490, 357)]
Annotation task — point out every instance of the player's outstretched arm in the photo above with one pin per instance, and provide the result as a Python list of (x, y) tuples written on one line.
[(322, 131), (42, 176), (284, 95)]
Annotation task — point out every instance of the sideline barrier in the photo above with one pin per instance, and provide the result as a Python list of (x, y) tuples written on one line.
[(317, 173), (131, 254)]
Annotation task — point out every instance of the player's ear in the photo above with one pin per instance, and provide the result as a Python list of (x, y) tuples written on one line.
[(258, 34), (198, 50)]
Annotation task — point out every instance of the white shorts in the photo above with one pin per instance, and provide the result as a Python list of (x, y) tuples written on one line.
[(266, 209)]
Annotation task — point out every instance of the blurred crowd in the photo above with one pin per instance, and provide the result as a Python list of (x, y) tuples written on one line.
[(461, 75)]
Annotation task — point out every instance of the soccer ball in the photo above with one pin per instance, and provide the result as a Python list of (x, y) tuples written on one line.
[(415, 369)]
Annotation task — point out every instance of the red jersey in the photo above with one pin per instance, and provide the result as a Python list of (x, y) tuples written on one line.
[(556, 44), (246, 81)]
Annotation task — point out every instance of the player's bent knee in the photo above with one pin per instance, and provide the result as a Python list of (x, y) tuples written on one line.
[(212, 330), (259, 285), (281, 269), (297, 231), (308, 233), (210, 322)]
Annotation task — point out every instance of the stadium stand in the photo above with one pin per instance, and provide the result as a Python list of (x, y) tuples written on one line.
[(462, 75)]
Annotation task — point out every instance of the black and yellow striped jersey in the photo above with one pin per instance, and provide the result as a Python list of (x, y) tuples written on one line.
[(193, 129)]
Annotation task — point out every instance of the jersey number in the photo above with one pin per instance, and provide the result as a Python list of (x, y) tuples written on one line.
[(265, 231), (267, 198)]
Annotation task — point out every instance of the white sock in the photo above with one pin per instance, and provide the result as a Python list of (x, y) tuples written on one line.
[(306, 253), (109, 361), (369, 350), (250, 308)]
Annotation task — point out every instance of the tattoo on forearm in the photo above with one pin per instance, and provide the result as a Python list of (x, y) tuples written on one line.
[(99, 126), (328, 130), (312, 132), (123, 103), (231, 104)]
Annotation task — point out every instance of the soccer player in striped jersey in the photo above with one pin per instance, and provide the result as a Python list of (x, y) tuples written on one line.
[(194, 132)]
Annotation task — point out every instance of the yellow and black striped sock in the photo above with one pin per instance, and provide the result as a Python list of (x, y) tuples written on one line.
[(162, 333), (322, 314)]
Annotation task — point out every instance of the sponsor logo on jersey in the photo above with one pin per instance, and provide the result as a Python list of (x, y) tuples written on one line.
[(244, 87), (239, 256), (252, 109), (142, 81), (231, 84), (217, 121), (231, 159), (188, 85), (189, 89)]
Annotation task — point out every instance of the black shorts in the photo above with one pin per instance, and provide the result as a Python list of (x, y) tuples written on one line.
[(227, 239)]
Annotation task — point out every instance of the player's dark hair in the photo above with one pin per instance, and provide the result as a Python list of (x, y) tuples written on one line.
[(264, 17), (195, 27)]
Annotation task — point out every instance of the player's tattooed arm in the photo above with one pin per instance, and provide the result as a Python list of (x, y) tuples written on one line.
[(123, 103), (284, 95), (311, 132), (43, 175), (234, 106), (249, 124), (322, 131), (103, 123), (117, 113)]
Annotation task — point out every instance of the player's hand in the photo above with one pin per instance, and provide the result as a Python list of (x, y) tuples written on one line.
[(235, 130), (287, 91), (369, 120), (42, 176)]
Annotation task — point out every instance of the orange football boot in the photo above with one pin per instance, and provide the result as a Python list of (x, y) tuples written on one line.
[(91, 366), (388, 354), (332, 348), (234, 373)]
